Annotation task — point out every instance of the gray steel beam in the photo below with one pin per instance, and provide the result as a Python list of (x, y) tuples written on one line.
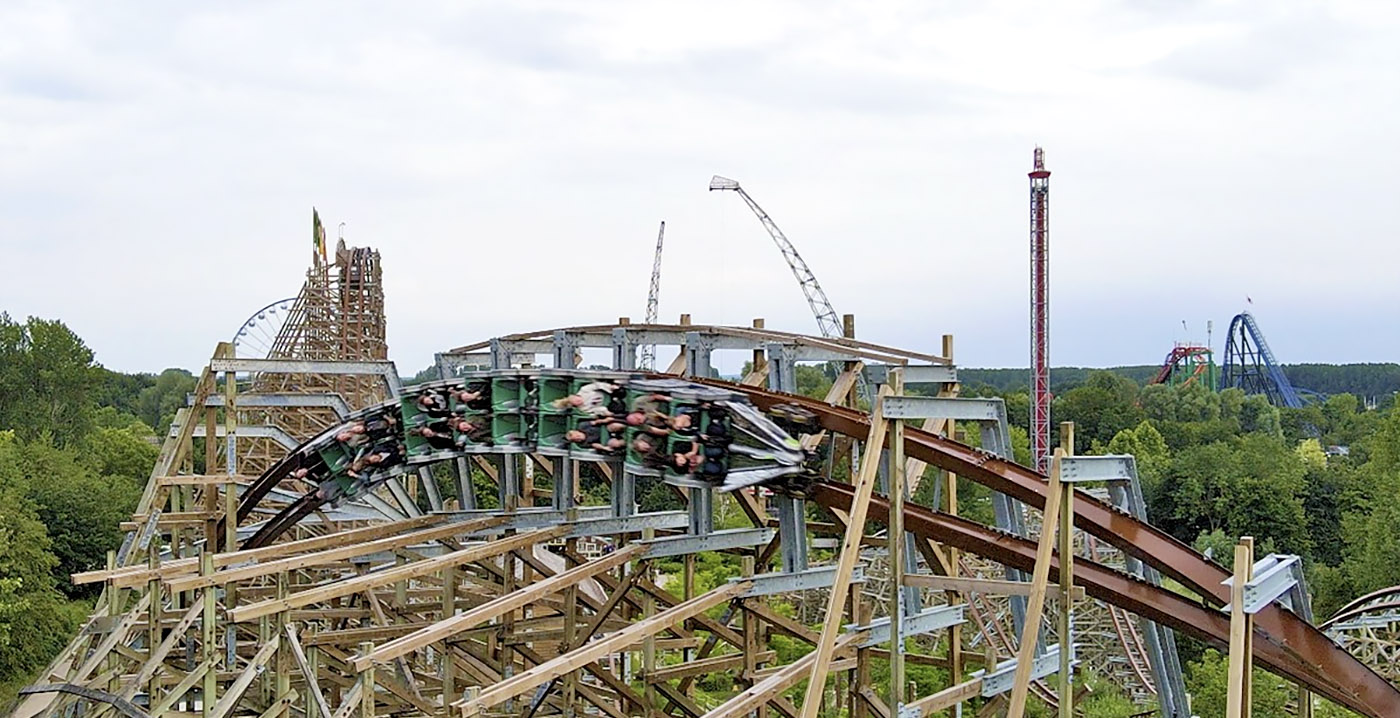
[(792, 527), (316, 401), (767, 584), (716, 541), (624, 347), (565, 349), (1097, 468), (701, 508), (928, 621), (1000, 679), (698, 348), (940, 407), (930, 374), (250, 431)]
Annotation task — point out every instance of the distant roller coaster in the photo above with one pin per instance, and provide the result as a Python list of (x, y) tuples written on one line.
[(1250, 364)]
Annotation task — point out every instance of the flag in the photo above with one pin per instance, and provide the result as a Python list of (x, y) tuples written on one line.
[(318, 235)]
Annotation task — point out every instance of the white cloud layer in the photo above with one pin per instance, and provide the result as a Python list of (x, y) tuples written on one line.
[(511, 161)]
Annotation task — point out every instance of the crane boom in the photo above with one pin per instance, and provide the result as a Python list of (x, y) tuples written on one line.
[(654, 299), (828, 321)]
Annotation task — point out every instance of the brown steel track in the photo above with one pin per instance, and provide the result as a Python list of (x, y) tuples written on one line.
[(1284, 643)]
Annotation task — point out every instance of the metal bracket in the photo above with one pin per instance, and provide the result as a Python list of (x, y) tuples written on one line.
[(930, 374), (942, 407), (1077, 469), (767, 584), (717, 541), (1001, 678), (930, 620), (1274, 576)]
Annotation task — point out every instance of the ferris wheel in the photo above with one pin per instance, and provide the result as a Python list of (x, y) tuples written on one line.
[(259, 332)]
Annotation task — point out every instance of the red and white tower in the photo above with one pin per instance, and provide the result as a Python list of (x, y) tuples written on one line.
[(1040, 313)]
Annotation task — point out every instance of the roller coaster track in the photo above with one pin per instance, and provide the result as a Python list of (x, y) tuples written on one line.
[(1250, 364), (1284, 643)]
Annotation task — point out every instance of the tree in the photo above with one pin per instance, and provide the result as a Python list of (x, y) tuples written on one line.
[(1106, 404), (47, 381), (33, 623), (1249, 486), (81, 510), (159, 402)]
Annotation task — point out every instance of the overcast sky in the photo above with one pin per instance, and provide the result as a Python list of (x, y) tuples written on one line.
[(159, 162)]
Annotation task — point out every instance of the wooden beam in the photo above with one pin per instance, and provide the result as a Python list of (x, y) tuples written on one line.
[(136, 575), (509, 602), (240, 685), (783, 678), (946, 698), (294, 563), (204, 480), (850, 551), (399, 573), (307, 671), (590, 652), (1035, 605)]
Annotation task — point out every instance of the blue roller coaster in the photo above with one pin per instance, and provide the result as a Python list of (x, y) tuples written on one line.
[(1250, 365)]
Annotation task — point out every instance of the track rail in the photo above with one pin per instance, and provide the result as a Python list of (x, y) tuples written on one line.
[(1285, 644)]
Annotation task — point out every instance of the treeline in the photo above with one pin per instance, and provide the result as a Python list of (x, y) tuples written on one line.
[(1370, 381), (1322, 482), (77, 443)]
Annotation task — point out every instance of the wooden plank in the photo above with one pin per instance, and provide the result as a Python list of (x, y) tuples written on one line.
[(136, 575), (293, 563), (509, 602), (1035, 605), (946, 698), (717, 664), (115, 636), (204, 480), (399, 573), (776, 683), (183, 687), (240, 685), (157, 658), (350, 702), (312, 685), (573, 660), (850, 551)]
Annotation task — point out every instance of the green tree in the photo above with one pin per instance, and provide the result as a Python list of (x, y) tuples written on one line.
[(1251, 485), (1103, 406), (47, 378), (33, 622), (159, 402)]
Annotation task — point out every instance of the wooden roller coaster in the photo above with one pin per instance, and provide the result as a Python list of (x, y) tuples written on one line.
[(472, 580)]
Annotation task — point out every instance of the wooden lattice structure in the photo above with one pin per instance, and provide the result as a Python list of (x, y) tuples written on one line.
[(338, 316)]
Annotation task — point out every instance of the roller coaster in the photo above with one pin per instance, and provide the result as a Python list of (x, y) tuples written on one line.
[(364, 572), (1250, 364)]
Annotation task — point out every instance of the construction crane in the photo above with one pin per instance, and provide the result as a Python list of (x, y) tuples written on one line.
[(827, 319), (654, 300)]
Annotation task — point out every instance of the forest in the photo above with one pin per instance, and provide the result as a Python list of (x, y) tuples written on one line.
[(77, 442)]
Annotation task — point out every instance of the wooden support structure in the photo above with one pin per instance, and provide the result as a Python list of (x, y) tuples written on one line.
[(1040, 579), (1240, 682), (850, 551)]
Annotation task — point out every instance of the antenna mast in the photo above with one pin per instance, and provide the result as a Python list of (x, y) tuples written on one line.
[(654, 300)]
